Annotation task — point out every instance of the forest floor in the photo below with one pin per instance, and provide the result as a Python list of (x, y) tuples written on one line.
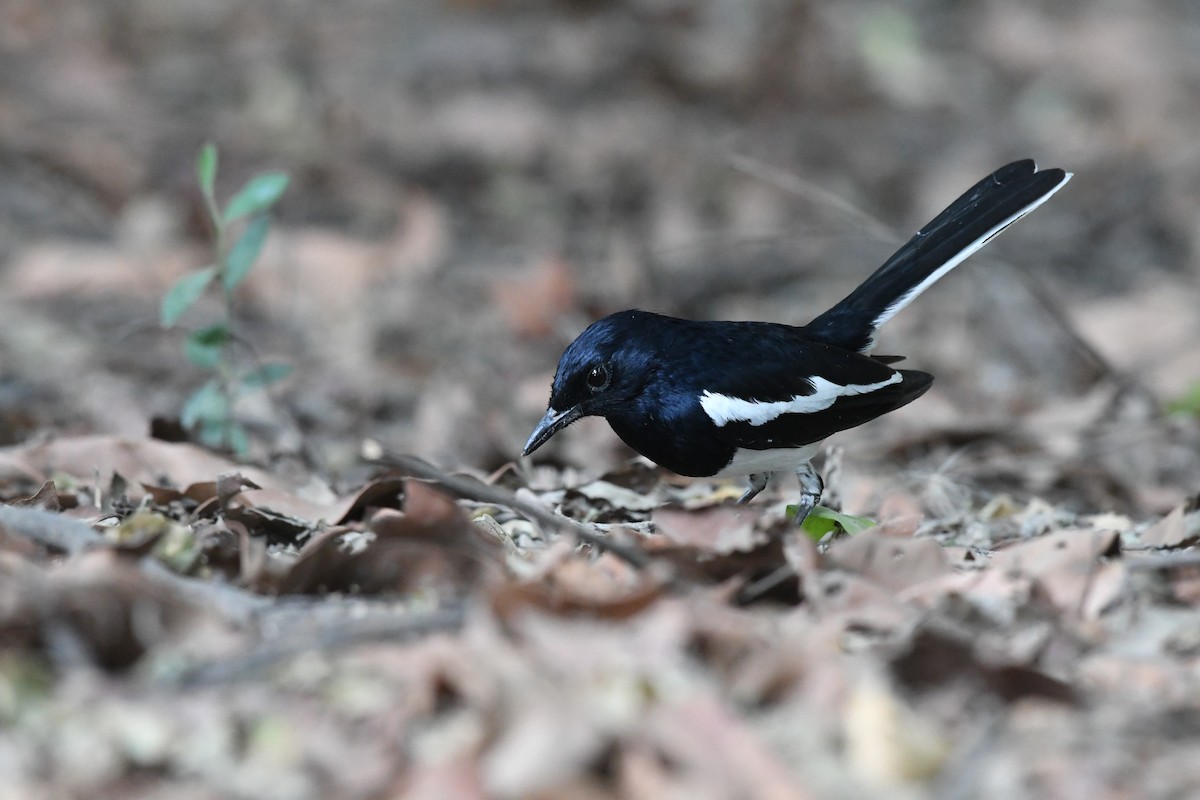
[(380, 599)]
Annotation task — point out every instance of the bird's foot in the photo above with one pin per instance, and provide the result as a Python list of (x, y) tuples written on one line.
[(758, 482), (811, 487)]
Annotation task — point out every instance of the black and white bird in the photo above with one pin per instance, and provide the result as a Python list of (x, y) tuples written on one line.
[(708, 399)]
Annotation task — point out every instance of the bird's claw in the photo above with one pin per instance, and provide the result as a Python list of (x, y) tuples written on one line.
[(758, 482)]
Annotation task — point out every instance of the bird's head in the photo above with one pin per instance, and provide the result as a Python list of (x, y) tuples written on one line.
[(600, 372)]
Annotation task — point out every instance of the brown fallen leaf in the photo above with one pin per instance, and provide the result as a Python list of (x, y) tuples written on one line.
[(45, 498), (935, 657), (712, 747), (1061, 548), (606, 588), (900, 515), (716, 529), (733, 571), (894, 563), (1067, 566), (428, 547), (145, 461), (1179, 528), (283, 516)]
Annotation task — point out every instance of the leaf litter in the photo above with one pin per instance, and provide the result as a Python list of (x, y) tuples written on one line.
[(159, 602)]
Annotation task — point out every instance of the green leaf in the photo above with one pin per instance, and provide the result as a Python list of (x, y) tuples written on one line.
[(266, 375), (822, 520), (224, 435), (211, 434), (260, 193), (186, 291), (204, 347), (237, 439), (206, 169), (1187, 403), (244, 253), (206, 406)]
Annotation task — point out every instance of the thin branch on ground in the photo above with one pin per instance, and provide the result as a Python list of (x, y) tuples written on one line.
[(336, 637), (50, 528), (1164, 561), (472, 489)]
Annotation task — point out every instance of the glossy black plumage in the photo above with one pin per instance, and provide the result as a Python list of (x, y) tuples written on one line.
[(714, 398)]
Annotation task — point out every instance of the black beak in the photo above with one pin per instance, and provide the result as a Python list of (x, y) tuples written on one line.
[(552, 423)]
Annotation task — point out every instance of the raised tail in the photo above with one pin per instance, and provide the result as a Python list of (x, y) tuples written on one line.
[(966, 225)]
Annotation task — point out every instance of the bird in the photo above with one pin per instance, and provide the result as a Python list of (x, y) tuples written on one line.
[(730, 398)]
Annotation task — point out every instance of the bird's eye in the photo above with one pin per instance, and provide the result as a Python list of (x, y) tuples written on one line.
[(597, 379)]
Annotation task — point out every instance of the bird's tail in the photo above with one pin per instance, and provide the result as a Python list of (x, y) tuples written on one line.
[(966, 225)]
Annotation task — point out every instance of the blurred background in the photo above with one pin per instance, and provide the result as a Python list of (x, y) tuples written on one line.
[(474, 181)]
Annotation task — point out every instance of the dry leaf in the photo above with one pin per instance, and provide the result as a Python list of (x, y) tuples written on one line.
[(896, 564), (1177, 529), (716, 529)]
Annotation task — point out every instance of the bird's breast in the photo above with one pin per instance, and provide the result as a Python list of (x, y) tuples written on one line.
[(676, 436)]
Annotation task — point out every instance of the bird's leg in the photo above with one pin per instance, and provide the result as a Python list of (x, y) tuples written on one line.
[(758, 482), (811, 487)]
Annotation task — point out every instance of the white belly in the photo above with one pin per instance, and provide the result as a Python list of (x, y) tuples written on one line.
[(746, 462)]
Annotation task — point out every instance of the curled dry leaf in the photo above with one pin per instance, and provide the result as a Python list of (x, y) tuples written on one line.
[(284, 517), (45, 498), (428, 547)]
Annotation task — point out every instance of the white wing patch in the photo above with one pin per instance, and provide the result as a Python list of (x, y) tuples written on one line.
[(723, 409)]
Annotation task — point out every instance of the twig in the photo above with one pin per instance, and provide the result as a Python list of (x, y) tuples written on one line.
[(776, 578), (236, 605), (471, 489), (814, 193), (1053, 309), (1163, 562), (345, 633), (49, 528)]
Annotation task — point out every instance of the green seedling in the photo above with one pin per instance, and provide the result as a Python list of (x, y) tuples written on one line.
[(239, 234)]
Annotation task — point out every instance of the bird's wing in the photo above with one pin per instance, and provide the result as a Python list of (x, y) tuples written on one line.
[(764, 405)]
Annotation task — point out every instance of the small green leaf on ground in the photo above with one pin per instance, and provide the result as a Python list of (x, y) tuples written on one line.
[(245, 252), (203, 347), (186, 291), (260, 193), (266, 375), (207, 403), (224, 434), (822, 520)]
